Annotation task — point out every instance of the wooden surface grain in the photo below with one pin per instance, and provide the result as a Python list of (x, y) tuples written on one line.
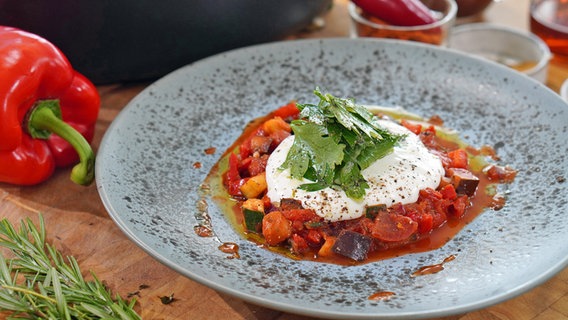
[(79, 225)]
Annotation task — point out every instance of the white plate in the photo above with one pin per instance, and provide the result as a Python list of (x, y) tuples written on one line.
[(146, 178)]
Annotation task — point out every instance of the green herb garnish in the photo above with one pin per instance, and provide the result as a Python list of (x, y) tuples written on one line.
[(334, 141), (38, 283)]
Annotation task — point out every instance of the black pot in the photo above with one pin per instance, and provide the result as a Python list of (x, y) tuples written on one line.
[(117, 40)]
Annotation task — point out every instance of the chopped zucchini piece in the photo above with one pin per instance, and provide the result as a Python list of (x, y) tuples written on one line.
[(254, 186), (253, 219)]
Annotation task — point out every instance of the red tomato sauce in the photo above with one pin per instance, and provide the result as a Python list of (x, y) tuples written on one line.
[(383, 233)]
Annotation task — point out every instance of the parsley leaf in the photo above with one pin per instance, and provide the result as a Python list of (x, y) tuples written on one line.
[(334, 141), (313, 148)]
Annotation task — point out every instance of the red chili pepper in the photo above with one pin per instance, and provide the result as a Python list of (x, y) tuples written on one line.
[(40, 94), (398, 12)]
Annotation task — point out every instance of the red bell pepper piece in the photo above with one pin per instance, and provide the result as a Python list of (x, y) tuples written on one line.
[(40, 94), (458, 158), (449, 192), (398, 12), (415, 128), (233, 178), (289, 111)]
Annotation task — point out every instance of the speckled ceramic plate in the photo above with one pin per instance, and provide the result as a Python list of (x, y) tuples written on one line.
[(146, 177)]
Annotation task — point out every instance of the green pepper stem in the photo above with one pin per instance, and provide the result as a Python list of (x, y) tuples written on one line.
[(44, 119)]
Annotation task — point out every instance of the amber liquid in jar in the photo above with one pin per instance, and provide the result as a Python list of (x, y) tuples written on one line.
[(549, 21)]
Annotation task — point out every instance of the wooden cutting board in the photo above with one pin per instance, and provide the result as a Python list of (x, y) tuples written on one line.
[(98, 245)]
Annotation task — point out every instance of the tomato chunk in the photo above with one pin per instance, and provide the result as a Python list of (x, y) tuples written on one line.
[(245, 149), (301, 215), (233, 179), (276, 228), (314, 237), (425, 223), (277, 137), (298, 243), (449, 192), (257, 165), (413, 127), (501, 174), (428, 135), (260, 144), (458, 206), (458, 158), (391, 227), (276, 124)]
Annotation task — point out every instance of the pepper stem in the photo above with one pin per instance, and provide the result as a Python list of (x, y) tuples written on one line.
[(44, 119)]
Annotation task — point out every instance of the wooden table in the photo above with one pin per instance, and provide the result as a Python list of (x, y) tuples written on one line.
[(79, 225)]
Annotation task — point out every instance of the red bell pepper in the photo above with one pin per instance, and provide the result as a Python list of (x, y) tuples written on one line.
[(40, 94), (458, 158), (398, 12)]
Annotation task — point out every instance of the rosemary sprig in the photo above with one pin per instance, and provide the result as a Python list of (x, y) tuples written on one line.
[(37, 282)]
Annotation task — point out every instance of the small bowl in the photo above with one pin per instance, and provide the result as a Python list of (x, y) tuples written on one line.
[(364, 25), (522, 51)]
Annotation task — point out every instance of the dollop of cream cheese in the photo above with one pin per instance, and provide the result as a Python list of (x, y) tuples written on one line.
[(397, 177)]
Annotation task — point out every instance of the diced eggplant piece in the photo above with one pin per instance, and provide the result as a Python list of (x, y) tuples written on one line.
[(290, 204), (464, 181), (352, 245)]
